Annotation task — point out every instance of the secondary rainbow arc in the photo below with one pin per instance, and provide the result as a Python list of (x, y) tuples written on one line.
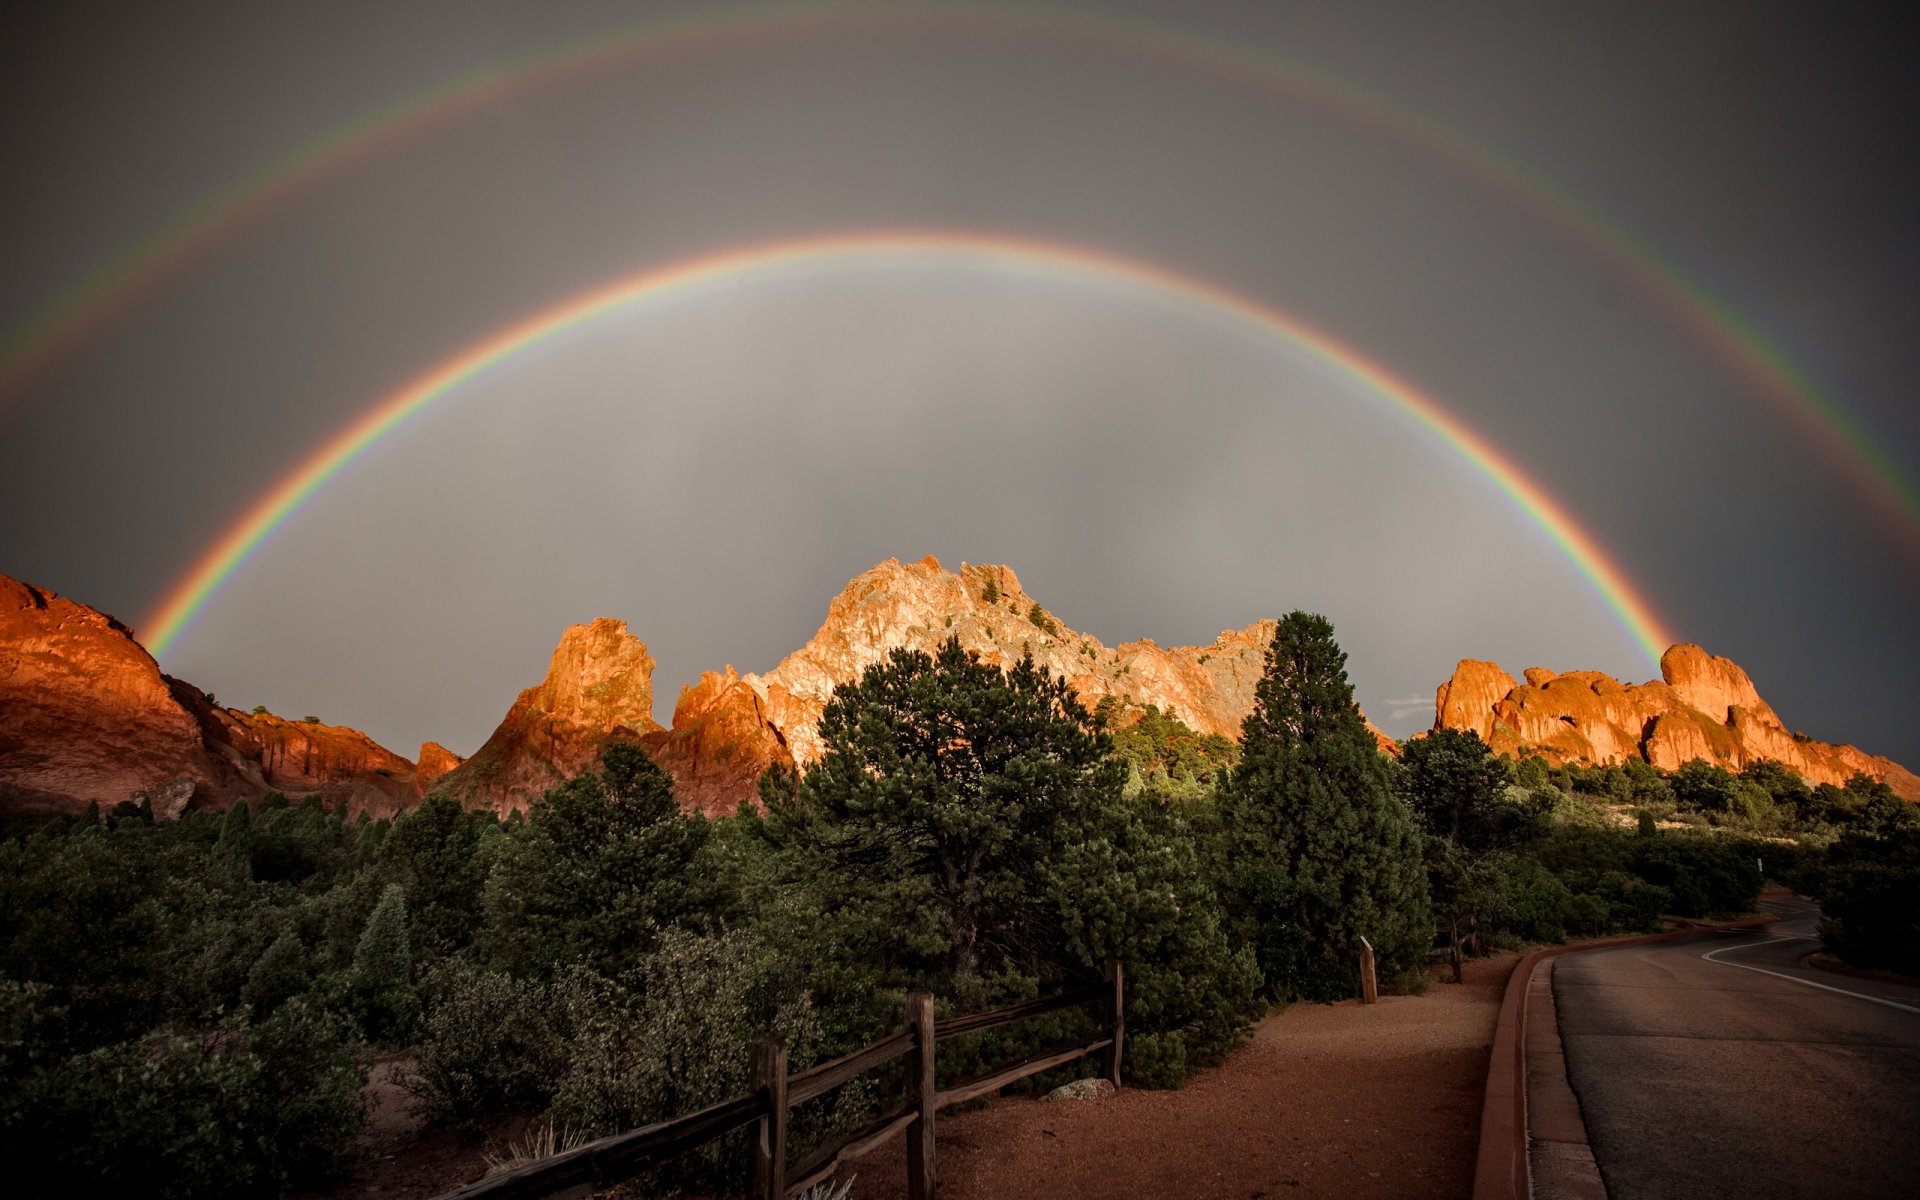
[(59, 326), (907, 250)]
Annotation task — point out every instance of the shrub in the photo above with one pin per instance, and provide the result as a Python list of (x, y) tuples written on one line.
[(231, 1112), (489, 1044)]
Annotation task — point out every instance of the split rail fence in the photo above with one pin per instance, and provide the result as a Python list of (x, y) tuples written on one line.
[(772, 1093)]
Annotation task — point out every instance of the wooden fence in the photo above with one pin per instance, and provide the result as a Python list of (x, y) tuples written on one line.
[(772, 1093)]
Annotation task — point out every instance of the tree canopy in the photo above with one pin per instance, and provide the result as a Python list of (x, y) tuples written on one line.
[(1320, 850)]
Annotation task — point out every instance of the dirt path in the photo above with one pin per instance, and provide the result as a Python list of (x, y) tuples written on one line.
[(1336, 1100), (1327, 1100)]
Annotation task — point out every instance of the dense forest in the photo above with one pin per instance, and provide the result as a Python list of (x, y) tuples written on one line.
[(189, 1008)]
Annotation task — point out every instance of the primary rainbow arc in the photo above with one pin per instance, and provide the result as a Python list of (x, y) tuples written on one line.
[(59, 326), (909, 250)]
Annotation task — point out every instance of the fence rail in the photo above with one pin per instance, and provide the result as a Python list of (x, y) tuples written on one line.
[(773, 1093)]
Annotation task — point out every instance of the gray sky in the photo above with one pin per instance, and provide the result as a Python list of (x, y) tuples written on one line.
[(713, 471)]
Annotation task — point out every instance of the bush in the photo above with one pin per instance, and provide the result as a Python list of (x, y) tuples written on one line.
[(232, 1112), (489, 1044), (1704, 876), (1871, 899)]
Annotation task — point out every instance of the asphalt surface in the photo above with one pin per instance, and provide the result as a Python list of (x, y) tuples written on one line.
[(1719, 1067)]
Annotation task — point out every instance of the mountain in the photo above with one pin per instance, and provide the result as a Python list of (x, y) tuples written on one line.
[(598, 690), (728, 727), (86, 715), (1703, 707)]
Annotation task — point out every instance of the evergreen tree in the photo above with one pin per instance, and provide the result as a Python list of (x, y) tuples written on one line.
[(606, 861), (965, 832), (1320, 850), (234, 848), (382, 973)]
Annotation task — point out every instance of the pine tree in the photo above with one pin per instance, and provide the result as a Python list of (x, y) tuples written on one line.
[(234, 848), (382, 973), (1320, 851)]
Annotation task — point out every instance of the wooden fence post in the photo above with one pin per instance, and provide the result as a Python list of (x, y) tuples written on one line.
[(1114, 1004), (920, 1096), (1369, 983), (770, 1142)]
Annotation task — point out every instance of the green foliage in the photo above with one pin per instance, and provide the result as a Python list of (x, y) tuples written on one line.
[(1163, 752), (234, 850), (432, 854), (965, 832), (1703, 787), (1870, 895), (1321, 852), (991, 593), (382, 974), (1460, 792), (260, 710), (241, 1111), (489, 1044), (1703, 876), (1041, 619), (605, 861)]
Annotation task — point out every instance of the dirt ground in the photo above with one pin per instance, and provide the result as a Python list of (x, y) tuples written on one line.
[(1338, 1100), (1327, 1100)]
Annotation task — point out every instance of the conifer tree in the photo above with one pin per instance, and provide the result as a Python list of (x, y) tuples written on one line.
[(382, 973), (234, 848), (1320, 852)]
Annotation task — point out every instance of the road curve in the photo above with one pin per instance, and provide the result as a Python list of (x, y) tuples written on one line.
[(1719, 1067)]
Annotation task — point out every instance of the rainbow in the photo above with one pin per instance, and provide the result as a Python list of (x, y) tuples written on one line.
[(814, 257), (60, 326)]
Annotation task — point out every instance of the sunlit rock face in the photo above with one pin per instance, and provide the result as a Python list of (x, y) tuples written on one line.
[(919, 605), (1702, 707), (722, 741), (86, 715), (728, 728), (435, 760), (598, 690)]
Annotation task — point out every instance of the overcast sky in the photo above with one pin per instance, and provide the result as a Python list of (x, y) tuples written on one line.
[(713, 471)]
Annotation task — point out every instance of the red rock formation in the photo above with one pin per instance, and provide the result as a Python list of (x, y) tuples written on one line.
[(598, 690), (919, 605), (1702, 707), (86, 715), (435, 760), (722, 741)]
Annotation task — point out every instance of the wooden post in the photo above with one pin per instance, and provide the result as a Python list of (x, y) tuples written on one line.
[(770, 1141), (920, 1095), (1369, 984), (1114, 1006)]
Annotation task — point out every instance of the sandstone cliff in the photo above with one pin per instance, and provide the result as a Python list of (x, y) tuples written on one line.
[(728, 727), (1702, 707), (919, 605), (86, 715), (598, 690)]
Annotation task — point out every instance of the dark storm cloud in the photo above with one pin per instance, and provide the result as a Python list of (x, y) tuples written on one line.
[(714, 472)]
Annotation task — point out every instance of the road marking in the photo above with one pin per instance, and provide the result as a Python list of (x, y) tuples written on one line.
[(1709, 956)]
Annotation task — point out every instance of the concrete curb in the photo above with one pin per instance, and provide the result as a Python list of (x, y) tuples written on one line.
[(1501, 1168), (1887, 977)]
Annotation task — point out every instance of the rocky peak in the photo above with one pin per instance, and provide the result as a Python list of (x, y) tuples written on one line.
[(600, 676), (435, 760), (918, 605), (598, 690), (1716, 686), (1703, 707), (86, 715), (1467, 700)]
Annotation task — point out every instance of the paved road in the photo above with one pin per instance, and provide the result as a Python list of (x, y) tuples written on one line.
[(1718, 1067)]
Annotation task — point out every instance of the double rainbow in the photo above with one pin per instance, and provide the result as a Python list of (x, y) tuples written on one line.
[(64, 323)]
